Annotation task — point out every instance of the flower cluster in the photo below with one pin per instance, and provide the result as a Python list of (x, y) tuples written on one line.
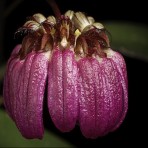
[(70, 57)]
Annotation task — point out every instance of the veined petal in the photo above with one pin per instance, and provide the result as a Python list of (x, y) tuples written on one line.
[(101, 101), (121, 67), (21, 91), (113, 92), (62, 90), (87, 100), (8, 89), (36, 88), (28, 79)]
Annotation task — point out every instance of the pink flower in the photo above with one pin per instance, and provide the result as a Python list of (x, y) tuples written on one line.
[(86, 80)]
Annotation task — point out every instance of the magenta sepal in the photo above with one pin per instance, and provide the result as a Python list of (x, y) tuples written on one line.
[(24, 87), (103, 99), (63, 89), (90, 91)]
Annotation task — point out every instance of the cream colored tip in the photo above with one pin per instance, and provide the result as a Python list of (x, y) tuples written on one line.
[(69, 14), (51, 19), (91, 19), (80, 20), (98, 25), (32, 25), (39, 17)]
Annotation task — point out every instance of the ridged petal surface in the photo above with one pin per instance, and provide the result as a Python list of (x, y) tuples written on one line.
[(8, 89), (62, 89), (121, 67), (101, 99), (25, 81)]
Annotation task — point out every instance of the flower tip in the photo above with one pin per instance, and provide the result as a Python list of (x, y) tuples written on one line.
[(98, 25), (38, 17), (69, 14)]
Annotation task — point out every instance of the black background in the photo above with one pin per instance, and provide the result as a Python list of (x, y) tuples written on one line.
[(132, 130)]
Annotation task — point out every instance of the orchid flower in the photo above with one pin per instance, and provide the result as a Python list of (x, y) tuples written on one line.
[(70, 57)]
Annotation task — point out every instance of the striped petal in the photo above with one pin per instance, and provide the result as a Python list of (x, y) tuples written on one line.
[(28, 79), (62, 90), (101, 101), (8, 89), (119, 61)]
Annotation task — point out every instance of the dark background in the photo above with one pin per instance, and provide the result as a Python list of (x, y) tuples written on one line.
[(134, 126)]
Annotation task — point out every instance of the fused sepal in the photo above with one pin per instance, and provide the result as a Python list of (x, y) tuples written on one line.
[(25, 84), (103, 99), (63, 89)]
